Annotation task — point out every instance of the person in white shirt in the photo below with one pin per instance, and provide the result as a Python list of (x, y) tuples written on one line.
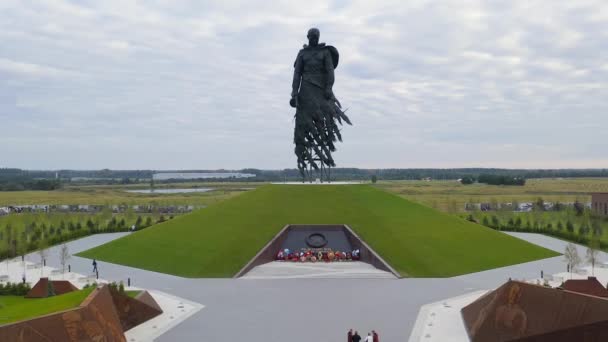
[(369, 338)]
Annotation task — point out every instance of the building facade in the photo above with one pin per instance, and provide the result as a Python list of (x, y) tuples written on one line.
[(599, 203)]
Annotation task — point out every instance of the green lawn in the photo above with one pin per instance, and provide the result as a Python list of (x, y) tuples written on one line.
[(17, 308), (416, 240)]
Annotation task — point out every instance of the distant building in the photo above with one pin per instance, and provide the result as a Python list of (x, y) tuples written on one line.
[(599, 203)]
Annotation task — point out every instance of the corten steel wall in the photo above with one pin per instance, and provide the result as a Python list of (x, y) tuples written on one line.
[(94, 320), (40, 290), (519, 311), (599, 203), (268, 253), (132, 312)]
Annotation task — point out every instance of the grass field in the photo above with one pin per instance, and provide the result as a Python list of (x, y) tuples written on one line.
[(17, 308), (415, 239), (450, 196)]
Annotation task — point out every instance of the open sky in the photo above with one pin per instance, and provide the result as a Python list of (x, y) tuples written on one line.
[(205, 84)]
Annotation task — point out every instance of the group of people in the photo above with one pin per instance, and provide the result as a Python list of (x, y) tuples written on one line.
[(355, 337), (310, 255)]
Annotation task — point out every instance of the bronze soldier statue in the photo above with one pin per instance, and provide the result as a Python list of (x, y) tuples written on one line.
[(318, 112)]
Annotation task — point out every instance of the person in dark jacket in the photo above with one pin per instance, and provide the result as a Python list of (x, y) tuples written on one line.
[(356, 337)]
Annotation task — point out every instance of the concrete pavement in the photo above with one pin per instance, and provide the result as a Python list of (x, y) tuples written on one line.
[(307, 309)]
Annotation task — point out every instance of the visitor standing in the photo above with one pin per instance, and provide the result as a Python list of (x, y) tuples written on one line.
[(94, 266), (369, 338), (356, 337), (375, 335), (349, 336)]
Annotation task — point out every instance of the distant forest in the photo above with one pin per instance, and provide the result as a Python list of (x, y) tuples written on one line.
[(17, 179)]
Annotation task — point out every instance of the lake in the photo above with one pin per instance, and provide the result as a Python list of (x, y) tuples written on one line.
[(169, 191)]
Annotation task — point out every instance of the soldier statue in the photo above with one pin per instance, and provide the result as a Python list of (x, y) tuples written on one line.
[(318, 112)]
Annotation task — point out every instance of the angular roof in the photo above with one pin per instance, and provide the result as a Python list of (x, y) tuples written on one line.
[(590, 286), (519, 311), (41, 289)]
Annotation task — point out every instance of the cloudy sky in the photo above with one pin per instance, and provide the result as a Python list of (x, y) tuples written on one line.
[(204, 85)]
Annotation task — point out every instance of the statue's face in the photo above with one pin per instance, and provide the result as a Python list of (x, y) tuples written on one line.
[(313, 37)]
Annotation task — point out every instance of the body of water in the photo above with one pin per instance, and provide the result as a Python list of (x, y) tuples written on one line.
[(169, 191)]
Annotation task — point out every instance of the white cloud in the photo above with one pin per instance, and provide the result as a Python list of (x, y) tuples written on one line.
[(206, 84), (31, 69)]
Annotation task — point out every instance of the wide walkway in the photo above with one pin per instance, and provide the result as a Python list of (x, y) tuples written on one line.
[(308, 309), (318, 270)]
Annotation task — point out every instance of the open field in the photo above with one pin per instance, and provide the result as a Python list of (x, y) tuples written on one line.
[(17, 308), (450, 196), (416, 240), (99, 194)]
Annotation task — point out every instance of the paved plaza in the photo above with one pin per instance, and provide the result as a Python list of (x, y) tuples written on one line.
[(306, 309)]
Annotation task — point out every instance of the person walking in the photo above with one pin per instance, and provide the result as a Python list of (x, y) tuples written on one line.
[(94, 266), (369, 338), (356, 337), (375, 335), (349, 336)]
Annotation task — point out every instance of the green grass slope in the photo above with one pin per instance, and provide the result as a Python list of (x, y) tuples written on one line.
[(17, 308), (416, 240)]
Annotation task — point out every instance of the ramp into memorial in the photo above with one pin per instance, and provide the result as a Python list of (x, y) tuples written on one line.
[(315, 239)]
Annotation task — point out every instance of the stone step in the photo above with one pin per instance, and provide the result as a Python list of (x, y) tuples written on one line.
[(292, 270)]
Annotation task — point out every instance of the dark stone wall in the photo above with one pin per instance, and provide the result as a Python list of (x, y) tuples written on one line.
[(335, 235), (294, 235), (367, 253)]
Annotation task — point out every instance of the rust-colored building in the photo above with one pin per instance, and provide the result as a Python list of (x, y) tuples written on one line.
[(590, 286), (599, 203), (523, 312)]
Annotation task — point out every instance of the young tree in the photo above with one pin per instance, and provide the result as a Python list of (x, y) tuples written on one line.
[(374, 179), (8, 233), (579, 208), (64, 256), (42, 252), (569, 227), (539, 205), (593, 253), (518, 222), (571, 256)]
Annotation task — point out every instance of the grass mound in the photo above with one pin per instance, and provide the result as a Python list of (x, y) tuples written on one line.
[(416, 240), (17, 308)]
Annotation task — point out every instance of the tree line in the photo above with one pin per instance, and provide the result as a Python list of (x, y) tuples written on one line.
[(36, 236), (27, 178)]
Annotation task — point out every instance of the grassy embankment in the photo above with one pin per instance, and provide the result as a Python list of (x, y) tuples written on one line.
[(17, 308), (415, 239)]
